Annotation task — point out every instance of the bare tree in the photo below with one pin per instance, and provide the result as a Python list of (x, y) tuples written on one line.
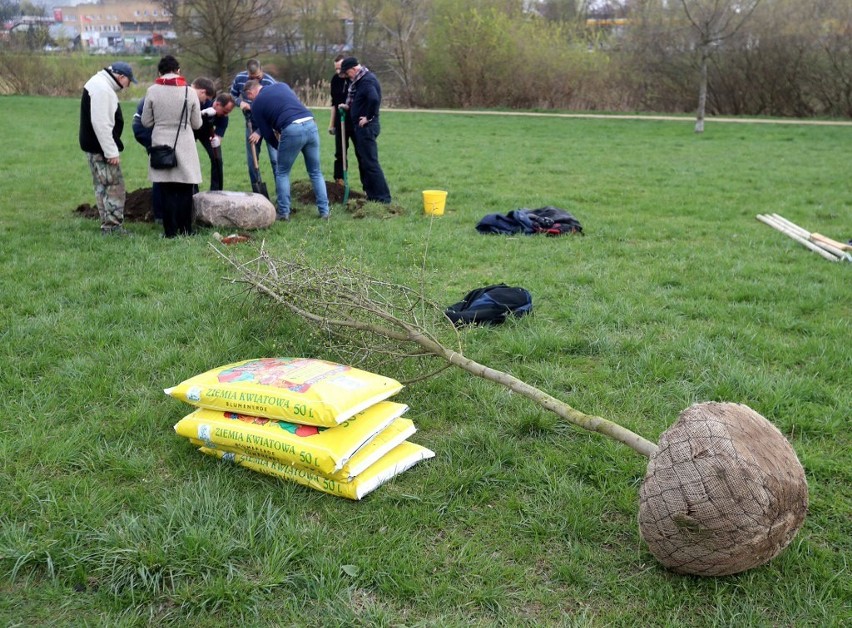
[(310, 32), (221, 34), (713, 21), (652, 50), (834, 82), (405, 22), (364, 14)]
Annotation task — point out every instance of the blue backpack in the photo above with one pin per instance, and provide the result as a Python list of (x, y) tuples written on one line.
[(490, 305)]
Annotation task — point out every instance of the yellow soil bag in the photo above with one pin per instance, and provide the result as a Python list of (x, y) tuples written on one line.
[(339, 457), (300, 390), (402, 457), (392, 436)]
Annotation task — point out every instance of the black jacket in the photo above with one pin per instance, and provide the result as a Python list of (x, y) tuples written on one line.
[(367, 98)]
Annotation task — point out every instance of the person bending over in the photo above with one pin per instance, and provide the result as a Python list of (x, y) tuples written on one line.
[(285, 123), (214, 123)]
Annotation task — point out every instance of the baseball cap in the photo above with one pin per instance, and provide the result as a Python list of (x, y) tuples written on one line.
[(348, 63), (120, 67)]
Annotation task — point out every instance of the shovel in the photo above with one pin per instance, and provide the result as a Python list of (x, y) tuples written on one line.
[(258, 186), (343, 153)]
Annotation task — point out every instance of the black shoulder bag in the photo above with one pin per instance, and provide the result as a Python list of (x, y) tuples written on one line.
[(163, 156)]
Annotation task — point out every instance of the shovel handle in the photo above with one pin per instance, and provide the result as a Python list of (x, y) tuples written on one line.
[(253, 148), (343, 137)]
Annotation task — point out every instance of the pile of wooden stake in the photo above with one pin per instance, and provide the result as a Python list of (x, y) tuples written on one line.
[(831, 250)]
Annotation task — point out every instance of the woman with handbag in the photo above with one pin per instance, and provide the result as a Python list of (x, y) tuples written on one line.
[(172, 110)]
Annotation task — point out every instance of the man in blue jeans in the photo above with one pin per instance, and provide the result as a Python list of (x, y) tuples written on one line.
[(363, 101), (279, 117)]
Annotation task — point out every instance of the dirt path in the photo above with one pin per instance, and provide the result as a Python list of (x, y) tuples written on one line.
[(602, 116)]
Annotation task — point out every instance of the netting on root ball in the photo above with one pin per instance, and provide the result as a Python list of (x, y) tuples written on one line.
[(724, 492)]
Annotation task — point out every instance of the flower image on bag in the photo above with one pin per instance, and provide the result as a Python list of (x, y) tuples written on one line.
[(326, 450), (300, 390)]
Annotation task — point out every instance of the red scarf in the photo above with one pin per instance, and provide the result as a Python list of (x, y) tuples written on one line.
[(171, 80)]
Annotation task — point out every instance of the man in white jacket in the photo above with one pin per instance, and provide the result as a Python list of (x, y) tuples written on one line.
[(101, 124)]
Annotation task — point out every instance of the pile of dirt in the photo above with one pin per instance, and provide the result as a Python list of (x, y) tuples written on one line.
[(137, 206), (303, 191), (357, 204)]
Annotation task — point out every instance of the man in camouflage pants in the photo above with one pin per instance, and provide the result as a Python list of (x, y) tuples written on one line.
[(101, 124)]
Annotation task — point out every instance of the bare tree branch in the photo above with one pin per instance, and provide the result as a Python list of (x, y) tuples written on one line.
[(378, 316)]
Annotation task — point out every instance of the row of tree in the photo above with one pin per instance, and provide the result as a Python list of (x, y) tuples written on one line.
[(758, 57), (763, 57)]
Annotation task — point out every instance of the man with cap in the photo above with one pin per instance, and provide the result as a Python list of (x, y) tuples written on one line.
[(101, 124), (254, 72), (363, 102)]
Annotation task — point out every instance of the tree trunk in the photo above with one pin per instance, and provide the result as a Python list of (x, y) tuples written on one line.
[(702, 90), (560, 408)]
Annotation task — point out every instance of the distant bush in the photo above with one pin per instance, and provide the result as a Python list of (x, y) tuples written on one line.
[(44, 75), (65, 74), (483, 57)]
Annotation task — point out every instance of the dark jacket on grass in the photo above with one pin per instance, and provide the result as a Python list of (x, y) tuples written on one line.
[(548, 220)]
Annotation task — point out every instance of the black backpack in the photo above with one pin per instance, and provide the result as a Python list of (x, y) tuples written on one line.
[(490, 305)]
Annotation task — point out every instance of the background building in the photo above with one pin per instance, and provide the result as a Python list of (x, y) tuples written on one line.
[(128, 25)]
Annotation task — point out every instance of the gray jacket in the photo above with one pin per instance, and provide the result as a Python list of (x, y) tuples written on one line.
[(162, 111)]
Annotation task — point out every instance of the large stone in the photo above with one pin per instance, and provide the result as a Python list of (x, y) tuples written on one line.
[(243, 210)]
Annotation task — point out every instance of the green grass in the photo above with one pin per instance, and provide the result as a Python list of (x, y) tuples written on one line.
[(676, 295)]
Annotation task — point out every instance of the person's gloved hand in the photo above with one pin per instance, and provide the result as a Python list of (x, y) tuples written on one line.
[(215, 141), (210, 112)]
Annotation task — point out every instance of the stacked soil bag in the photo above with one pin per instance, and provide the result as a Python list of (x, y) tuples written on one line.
[(323, 425)]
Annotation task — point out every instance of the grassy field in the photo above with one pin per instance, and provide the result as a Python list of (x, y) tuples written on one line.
[(675, 295)]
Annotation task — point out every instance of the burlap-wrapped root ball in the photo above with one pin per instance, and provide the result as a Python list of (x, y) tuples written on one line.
[(724, 493)]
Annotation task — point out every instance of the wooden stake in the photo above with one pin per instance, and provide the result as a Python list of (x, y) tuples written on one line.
[(839, 245), (792, 226), (786, 230), (821, 241)]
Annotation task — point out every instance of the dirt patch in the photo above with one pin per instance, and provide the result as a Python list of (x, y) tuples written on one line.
[(358, 205), (304, 193), (137, 205)]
